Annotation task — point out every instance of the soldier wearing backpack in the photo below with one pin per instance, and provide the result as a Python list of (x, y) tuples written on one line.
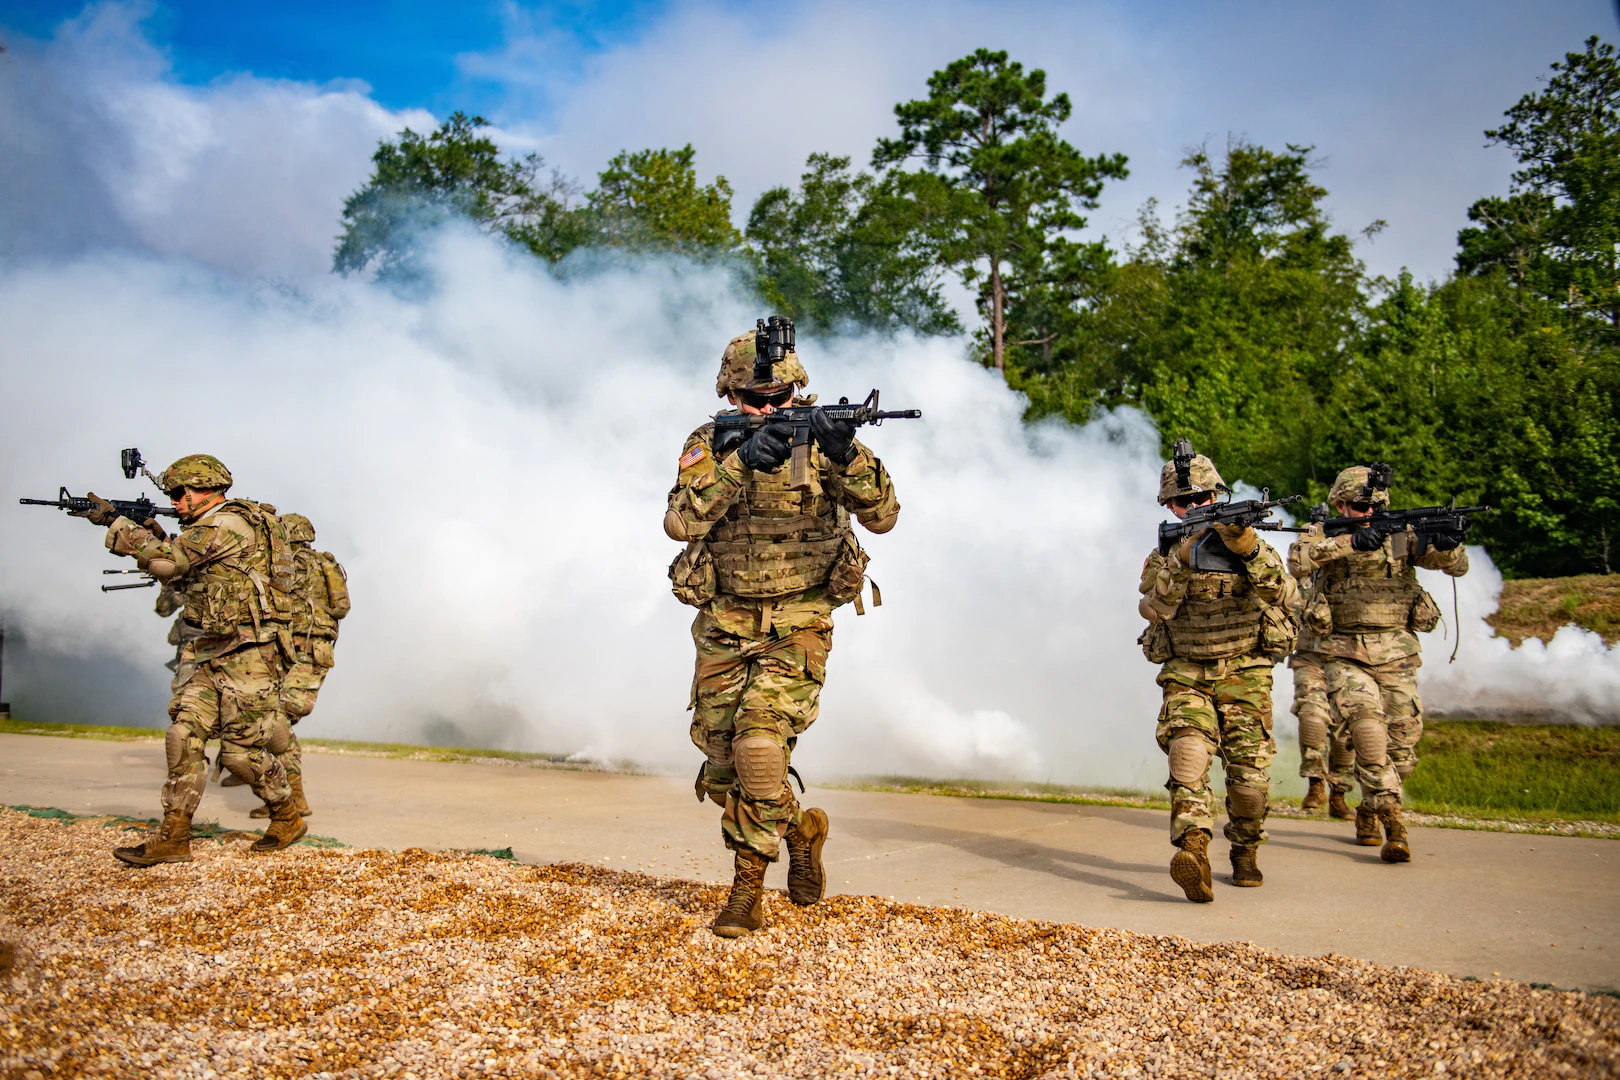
[(320, 597), (232, 568)]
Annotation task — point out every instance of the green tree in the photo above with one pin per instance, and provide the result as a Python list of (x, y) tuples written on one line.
[(420, 181), (1229, 328), (848, 250), (1559, 232), (651, 200), (1005, 186)]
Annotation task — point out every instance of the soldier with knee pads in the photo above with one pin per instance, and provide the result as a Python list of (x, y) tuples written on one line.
[(1365, 608), (1217, 623), (320, 598), (230, 570), (766, 562)]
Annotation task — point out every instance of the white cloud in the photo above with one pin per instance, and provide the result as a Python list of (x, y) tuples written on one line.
[(102, 147)]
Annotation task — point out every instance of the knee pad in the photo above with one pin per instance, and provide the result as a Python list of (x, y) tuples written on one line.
[(1189, 760), (761, 765), (176, 742), (1371, 742), (280, 736), (1245, 802), (1313, 730)]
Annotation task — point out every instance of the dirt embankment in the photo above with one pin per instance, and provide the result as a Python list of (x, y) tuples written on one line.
[(1537, 607), (412, 965)]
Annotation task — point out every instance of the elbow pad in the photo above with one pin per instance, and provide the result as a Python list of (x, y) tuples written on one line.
[(881, 524), (675, 526)]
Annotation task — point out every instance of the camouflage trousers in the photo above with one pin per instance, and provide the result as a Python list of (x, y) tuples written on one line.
[(234, 698), (299, 688), (1324, 748), (745, 689), (1226, 709), (1381, 715)]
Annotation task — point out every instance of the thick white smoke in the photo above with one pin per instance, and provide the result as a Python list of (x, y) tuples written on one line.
[(491, 463)]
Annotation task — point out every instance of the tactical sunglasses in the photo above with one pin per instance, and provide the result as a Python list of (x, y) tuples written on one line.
[(1361, 507), (1181, 502), (776, 399), (176, 494)]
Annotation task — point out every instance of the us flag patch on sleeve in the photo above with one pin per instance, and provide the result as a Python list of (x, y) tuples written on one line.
[(692, 457)]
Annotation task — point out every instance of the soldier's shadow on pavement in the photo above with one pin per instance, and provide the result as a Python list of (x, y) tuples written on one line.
[(1020, 854)]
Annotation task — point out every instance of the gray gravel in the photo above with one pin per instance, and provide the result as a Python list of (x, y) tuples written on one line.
[(415, 964)]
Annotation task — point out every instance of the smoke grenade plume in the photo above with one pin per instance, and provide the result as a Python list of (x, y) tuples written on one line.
[(491, 462)]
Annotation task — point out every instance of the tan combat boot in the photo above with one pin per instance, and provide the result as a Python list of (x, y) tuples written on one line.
[(1246, 867), (1190, 867), (1337, 807), (745, 907), (285, 827), (1367, 834), (807, 879), (1395, 849), (297, 783), (1315, 796), (171, 844)]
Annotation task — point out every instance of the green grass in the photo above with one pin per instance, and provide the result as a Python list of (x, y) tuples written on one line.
[(1468, 769), (1539, 772)]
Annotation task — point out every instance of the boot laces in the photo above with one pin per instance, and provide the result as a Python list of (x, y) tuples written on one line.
[(746, 889)]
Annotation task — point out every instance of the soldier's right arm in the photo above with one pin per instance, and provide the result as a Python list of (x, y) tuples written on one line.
[(1163, 586), (704, 489), (1315, 549)]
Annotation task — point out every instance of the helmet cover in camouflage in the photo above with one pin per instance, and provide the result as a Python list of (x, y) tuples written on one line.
[(196, 471), (1347, 487), (737, 369), (1201, 473), (299, 529)]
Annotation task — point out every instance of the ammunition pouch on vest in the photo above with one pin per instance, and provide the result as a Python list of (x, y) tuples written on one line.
[(1369, 592), (775, 541), (848, 574), (1425, 613), (691, 575), (1155, 642), (1219, 618)]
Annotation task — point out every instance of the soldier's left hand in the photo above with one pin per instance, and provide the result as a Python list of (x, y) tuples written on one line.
[(835, 437), (152, 526), (1446, 541), (1240, 540), (101, 511)]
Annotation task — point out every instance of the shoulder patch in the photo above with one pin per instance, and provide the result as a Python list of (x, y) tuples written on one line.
[(693, 456)]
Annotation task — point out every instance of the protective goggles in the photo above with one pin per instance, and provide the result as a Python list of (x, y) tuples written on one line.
[(1181, 502), (776, 398), (1360, 507)]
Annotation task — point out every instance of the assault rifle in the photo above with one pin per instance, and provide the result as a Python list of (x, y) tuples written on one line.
[(730, 429), (1426, 522), (137, 510), (1210, 553)]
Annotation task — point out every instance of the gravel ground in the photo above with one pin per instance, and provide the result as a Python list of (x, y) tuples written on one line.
[(415, 964)]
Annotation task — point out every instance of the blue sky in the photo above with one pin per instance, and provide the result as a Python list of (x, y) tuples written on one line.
[(292, 97), (405, 50)]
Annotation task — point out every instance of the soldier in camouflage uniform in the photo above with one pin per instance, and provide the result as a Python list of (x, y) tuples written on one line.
[(1366, 608), (231, 567), (766, 565), (1217, 633), (1325, 758), (320, 597)]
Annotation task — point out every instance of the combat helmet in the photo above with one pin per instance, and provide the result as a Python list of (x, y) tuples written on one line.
[(196, 471), (737, 368), (1201, 475), (299, 529), (1351, 486)]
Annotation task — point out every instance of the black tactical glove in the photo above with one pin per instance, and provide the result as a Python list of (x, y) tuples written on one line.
[(835, 437), (101, 511), (1446, 541), (766, 449), (1369, 537)]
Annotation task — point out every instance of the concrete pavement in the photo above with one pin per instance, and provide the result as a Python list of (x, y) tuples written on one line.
[(1533, 908)]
